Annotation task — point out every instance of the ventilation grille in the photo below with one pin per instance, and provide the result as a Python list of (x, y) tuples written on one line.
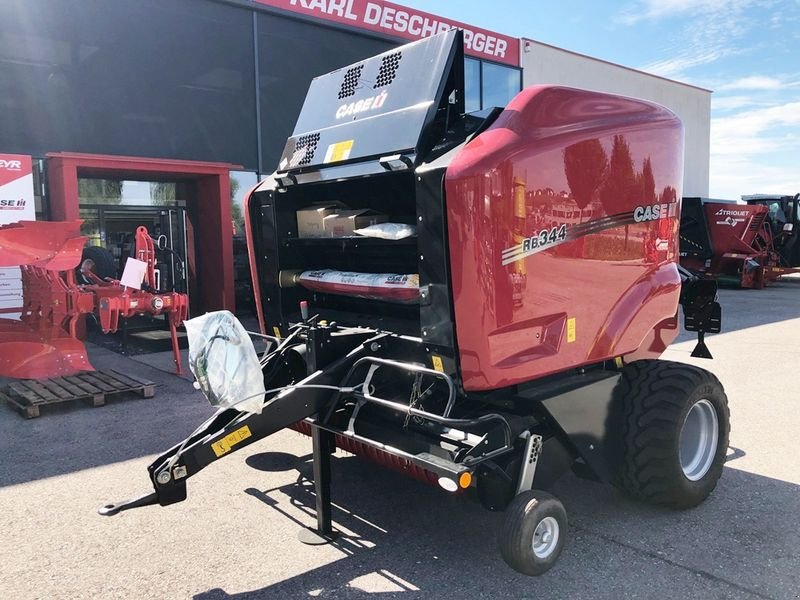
[(304, 148), (757, 222), (350, 82), (388, 69)]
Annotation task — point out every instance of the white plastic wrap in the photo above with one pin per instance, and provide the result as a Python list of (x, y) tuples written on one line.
[(224, 362), (388, 231)]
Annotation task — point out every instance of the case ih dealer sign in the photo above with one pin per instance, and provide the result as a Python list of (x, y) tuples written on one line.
[(406, 23), (16, 204)]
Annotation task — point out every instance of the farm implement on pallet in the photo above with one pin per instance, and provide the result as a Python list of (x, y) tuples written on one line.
[(530, 346), (45, 341)]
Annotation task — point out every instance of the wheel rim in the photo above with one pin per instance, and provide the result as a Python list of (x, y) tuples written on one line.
[(545, 537), (698, 440)]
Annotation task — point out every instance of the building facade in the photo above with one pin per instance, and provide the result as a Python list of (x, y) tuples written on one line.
[(165, 112)]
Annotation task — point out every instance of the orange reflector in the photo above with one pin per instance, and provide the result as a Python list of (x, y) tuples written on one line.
[(465, 479)]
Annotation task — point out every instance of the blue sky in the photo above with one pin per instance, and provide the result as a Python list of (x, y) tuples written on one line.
[(747, 51)]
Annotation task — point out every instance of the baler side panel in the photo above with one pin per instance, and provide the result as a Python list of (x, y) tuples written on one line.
[(563, 221)]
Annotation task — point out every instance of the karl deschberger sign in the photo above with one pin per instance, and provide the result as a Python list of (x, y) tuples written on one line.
[(403, 22)]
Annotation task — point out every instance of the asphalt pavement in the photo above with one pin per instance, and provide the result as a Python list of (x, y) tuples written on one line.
[(236, 535)]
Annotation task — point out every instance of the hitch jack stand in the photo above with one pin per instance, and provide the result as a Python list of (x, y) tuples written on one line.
[(322, 442)]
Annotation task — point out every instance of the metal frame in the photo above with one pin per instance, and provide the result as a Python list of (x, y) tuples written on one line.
[(530, 458)]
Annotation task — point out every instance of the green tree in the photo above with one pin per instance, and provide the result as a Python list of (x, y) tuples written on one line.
[(99, 191), (163, 193), (620, 188), (649, 195), (585, 164), (668, 194), (236, 210)]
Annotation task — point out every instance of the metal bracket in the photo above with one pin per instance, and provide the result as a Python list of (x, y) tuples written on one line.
[(533, 447)]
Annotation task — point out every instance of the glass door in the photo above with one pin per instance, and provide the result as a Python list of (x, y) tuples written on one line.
[(172, 250)]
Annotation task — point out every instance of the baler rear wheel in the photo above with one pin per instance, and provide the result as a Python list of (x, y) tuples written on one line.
[(533, 533), (673, 422)]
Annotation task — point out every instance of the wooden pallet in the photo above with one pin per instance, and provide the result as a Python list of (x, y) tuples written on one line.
[(28, 396)]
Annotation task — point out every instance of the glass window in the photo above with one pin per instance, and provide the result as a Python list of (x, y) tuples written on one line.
[(127, 193), (472, 84), (143, 78), (500, 84), (91, 226), (241, 183), (40, 189)]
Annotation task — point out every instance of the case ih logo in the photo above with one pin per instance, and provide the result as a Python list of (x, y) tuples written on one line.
[(12, 204), (654, 212), (367, 104), (11, 165)]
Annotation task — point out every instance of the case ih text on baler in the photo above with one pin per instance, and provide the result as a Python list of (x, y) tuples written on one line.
[(532, 347)]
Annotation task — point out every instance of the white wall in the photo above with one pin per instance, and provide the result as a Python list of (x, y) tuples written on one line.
[(546, 64)]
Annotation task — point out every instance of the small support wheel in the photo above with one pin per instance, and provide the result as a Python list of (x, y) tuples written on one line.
[(533, 532)]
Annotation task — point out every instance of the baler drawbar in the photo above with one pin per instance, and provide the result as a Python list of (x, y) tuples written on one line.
[(514, 335)]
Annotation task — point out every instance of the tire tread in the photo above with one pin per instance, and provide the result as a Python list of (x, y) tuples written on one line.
[(652, 399)]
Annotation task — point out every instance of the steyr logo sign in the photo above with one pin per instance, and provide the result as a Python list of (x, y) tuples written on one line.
[(11, 165)]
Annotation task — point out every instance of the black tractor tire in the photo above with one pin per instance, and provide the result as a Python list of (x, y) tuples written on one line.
[(521, 546), (99, 261), (654, 399)]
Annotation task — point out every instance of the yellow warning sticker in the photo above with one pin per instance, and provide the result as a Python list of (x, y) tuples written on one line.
[(339, 151), (224, 445), (437, 363), (570, 330), (277, 332)]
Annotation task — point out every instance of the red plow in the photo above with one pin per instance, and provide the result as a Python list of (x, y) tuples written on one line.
[(45, 341)]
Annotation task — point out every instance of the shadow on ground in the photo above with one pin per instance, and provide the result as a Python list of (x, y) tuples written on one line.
[(738, 544), (745, 308), (72, 436)]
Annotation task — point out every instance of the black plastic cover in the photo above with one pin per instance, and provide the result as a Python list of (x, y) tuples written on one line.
[(695, 238), (377, 107)]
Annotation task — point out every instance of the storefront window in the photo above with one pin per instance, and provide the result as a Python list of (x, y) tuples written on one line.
[(472, 84), (91, 226), (241, 183), (40, 190), (487, 84), (127, 193), (500, 84), (143, 78)]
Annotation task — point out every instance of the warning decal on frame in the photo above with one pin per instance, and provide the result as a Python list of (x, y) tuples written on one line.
[(339, 151), (224, 445), (570, 330), (437, 363)]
